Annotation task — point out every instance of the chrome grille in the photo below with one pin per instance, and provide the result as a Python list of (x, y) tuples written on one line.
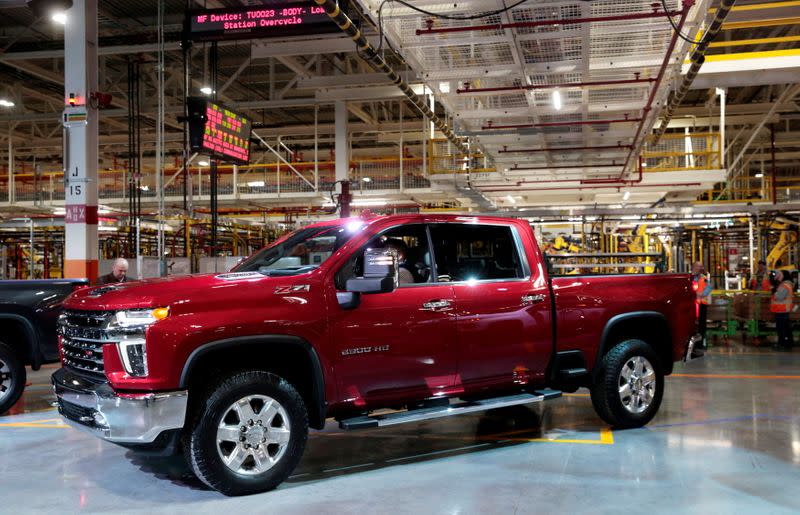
[(83, 334)]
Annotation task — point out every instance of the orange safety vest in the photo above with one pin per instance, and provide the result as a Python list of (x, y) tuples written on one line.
[(785, 305), (700, 285)]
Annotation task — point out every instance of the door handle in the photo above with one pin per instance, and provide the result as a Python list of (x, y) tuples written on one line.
[(532, 298), (436, 305)]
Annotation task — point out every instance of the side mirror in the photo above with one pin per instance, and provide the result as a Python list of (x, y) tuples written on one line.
[(380, 273)]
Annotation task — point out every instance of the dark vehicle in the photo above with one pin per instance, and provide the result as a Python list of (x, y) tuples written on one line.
[(28, 314)]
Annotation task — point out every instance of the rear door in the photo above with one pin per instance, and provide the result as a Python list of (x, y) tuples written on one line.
[(504, 312)]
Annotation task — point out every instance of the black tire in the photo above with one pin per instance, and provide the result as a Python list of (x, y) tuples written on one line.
[(201, 446), (606, 396), (12, 377)]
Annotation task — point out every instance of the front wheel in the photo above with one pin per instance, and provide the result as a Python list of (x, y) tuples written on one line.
[(629, 386), (12, 377), (248, 435)]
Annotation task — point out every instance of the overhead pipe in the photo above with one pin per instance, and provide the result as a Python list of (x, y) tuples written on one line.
[(563, 85), (560, 149), (368, 52), (489, 126), (684, 13), (565, 167), (606, 180), (697, 59), (544, 23)]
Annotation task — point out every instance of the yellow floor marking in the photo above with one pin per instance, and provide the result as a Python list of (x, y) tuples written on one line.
[(606, 438), (575, 395), (45, 423)]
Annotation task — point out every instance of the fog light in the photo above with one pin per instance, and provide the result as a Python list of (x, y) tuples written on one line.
[(99, 419), (134, 356)]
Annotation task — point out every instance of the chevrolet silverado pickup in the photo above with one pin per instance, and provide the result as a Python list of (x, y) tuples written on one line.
[(28, 313), (428, 315)]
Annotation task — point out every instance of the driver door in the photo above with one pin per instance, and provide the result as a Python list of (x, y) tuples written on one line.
[(401, 345)]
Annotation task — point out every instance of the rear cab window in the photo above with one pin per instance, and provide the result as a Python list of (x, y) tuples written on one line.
[(477, 252)]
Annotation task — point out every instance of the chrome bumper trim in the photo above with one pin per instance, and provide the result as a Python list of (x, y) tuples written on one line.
[(98, 409), (692, 350)]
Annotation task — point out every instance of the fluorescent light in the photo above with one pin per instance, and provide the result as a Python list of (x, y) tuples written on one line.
[(59, 17), (203, 163), (627, 195), (145, 188), (758, 175), (366, 179), (444, 87), (557, 100), (371, 202), (206, 90), (256, 184), (6, 103)]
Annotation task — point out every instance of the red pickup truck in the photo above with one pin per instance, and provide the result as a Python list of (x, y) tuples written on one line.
[(428, 315)]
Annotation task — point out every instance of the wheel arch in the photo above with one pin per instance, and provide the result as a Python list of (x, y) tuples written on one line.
[(295, 356), (14, 323), (652, 327)]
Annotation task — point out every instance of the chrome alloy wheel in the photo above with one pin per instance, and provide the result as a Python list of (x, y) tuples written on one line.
[(253, 435), (5, 379), (637, 384)]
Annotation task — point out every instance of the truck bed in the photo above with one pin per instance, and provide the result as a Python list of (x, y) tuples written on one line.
[(584, 306)]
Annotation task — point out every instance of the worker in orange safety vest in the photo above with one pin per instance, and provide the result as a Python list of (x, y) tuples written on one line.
[(702, 288), (759, 281), (782, 304)]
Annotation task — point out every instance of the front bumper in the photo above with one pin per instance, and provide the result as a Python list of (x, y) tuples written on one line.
[(119, 418), (695, 348)]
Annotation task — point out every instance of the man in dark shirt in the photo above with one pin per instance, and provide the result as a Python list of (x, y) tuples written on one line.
[(119, 273)]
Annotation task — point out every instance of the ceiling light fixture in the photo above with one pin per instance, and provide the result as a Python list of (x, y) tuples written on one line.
[(6, 103), (366, 179), (59, 17), (557, 100), (203, 163), (627, 195), (206, 90), (758, 175)]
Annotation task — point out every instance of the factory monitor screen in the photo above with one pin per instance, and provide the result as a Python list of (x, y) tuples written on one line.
[(274, 18), (218, 131)]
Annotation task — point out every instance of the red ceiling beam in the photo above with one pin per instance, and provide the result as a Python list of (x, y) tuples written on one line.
[(560, 149), (563, 85), (489, 126), (656, 13)]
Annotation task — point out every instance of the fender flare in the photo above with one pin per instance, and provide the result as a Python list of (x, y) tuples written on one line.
[(317, 412), (605, 343), (32, 344)]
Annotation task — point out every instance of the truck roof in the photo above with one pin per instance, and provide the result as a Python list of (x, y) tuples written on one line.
[(413, 217)]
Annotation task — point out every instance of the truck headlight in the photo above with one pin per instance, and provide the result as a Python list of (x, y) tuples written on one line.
[(139, 317), (130, 326), (133, 353)]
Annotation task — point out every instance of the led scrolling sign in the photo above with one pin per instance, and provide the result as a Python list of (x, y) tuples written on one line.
[(218, 131), (270, 19)]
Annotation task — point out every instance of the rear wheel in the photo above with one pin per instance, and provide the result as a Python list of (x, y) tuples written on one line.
[(12, 377), (629, 386), (248, 435)]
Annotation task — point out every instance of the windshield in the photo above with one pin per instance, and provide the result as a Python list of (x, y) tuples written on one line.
[(301, 252)]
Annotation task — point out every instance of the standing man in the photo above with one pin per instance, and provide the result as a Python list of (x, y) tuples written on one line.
[(119, 273), (759, 281), (781, 304), (702, 288)]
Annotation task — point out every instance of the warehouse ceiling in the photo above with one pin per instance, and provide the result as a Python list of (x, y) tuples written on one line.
[(556, 98)]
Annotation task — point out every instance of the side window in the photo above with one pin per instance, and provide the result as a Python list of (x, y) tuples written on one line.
[(411, 244), (466, 252)]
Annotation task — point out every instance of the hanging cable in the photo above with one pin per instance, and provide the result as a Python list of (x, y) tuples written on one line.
[(676, 29)]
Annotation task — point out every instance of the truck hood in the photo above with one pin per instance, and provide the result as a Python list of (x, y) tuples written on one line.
[(185, 293)]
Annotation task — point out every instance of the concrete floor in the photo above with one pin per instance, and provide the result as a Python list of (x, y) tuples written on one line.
[(727, 439)]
